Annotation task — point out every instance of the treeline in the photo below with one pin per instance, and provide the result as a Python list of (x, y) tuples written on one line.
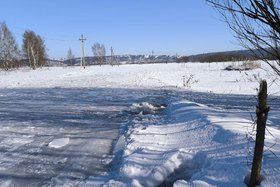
[(216, 57), (122, 59), (242, 55), (99, 57), (11, 56)]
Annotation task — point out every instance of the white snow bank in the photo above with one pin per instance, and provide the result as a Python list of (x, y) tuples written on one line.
[(195, 146), (152, 168), (196, 183), (58, 143)]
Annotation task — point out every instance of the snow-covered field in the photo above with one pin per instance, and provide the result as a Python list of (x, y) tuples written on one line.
[(207, 77), (145, 125)]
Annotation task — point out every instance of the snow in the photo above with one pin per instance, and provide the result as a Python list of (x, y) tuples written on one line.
[(170, 133), (60, 142), (182, 183), (207, 77), (144, 108)]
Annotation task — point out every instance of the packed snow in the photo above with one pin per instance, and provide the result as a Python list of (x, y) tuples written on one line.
[(60, 142), (187, 124)]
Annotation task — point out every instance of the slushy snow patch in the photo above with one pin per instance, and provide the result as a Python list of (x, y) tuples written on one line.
[(58, 143), (144, 108)]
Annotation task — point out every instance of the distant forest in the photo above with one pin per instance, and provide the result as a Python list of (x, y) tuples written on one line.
[(240, 55)]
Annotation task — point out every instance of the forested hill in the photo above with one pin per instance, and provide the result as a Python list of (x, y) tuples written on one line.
[(225, 56)]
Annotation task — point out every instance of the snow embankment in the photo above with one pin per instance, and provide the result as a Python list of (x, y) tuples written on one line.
[(194, 146)]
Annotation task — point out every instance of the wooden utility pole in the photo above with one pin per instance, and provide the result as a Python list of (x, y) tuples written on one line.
[(112, 56), (83, 62), (262, 113), (153, 57)]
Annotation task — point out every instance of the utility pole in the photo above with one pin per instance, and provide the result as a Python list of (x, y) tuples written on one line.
[(112, 55), (83, 62), (153, 58)]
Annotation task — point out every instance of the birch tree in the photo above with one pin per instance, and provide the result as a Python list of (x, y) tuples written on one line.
[(70, 57), (99, 52), (34, 49), (9, 52)]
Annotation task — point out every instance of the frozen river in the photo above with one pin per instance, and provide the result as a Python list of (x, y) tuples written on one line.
[(50, 136)]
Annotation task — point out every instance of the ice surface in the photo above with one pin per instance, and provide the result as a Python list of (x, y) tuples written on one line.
[(58, 136)]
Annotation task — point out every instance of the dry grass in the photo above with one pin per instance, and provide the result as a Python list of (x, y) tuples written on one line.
[(246, 65)]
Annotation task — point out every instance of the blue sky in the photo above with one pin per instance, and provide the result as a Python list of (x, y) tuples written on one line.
[(130, 26)]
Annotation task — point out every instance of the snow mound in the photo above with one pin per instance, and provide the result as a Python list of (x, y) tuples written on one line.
[(58, 143), (196, 183), (145, 108)]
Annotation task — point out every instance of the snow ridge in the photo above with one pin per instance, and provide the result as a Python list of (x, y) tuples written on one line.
[(190, 146)]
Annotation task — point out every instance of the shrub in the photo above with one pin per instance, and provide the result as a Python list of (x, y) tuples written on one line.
[(246, 65)]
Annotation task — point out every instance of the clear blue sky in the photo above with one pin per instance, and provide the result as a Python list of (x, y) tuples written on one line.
[(130, 26)]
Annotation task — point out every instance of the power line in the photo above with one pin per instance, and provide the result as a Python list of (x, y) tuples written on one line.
[(60, 40), (50, 38)]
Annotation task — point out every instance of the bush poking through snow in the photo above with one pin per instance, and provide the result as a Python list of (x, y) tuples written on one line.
[(244, 66), (188, 81)]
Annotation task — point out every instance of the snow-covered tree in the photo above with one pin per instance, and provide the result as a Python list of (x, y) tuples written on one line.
[(70, 57), (9, 53), (99, 52)]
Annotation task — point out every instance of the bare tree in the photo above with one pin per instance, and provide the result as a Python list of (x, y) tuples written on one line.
[(9, 53), (99, 52), (256, 24), (34, 49), (70, 57)]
